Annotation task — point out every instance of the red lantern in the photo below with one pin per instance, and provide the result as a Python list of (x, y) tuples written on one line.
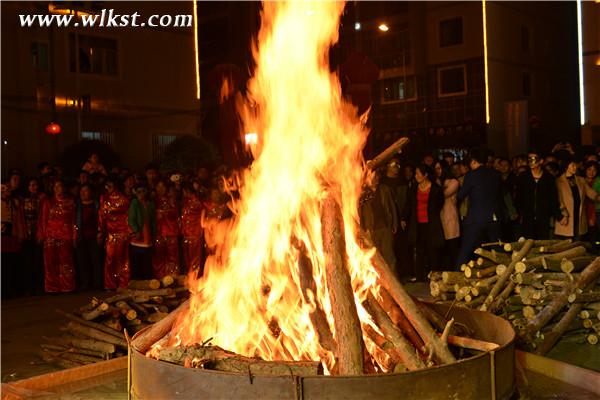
[(53, 128)]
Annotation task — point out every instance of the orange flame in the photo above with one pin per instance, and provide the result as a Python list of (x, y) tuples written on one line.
[(250, 300)]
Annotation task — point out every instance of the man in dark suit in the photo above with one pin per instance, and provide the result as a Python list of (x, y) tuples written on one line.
[(482, 186)]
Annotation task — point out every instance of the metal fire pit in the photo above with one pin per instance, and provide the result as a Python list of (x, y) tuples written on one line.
[(487, 375)]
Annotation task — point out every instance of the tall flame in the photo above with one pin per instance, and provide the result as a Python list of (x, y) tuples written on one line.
[(310, 140)]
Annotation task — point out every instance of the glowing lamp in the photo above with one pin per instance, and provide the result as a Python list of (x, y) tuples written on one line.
[(383, 28), (53, 128)]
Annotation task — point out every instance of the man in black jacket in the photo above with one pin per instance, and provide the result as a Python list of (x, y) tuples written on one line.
[(536, 199), (482, 223)]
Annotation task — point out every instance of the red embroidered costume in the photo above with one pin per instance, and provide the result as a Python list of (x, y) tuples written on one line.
[(112, 224), (165, 260)]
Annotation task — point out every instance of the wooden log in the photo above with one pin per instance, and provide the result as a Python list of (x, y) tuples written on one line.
[(149, 284), (128, 312), (588, 276), (531, 278), (564, 246), (139, 299), (167, 281), (83, 344), (437, 287), (215, 358), (487, 282), (499, 301), (480, 291), (113, 323), (493, 256), (576, 264), (155, 317), (462, 292), (452, 278), (75, 357), (592, 339), (571, 253), (435, 275), (585, 297), (399, 319), (96, 334), (94, 302), (91, 324), (500, 269), (150, 292), (59, 361), (480, 273), (67, 349), (317, 316), (390, 282), (388, 153), (471, 344), (144, 341), (139, 308), (553, 336), (95, 312), (393, 334), (385, 345), (348, 334), (514, 246), (499, 285)]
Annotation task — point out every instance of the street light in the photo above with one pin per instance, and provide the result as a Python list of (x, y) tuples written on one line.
[(383, 28), (357, 26)]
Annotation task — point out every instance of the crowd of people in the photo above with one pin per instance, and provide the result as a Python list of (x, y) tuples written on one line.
[(102, 229), (432, 216)]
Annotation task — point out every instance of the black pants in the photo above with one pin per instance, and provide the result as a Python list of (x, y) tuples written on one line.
[(536, 229), (140, 262), (428, 255), (89, 264), (473, 236)]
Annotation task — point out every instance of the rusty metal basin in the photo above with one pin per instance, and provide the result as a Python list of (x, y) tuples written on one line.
[(487, 375)]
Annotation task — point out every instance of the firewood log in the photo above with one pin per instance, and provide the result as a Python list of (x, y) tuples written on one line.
[(73, 350), (571, 253), (400, 320), (471, 344), (390, 282), (592, 339), (92, 325), (499, 285), (438, 287), (500, 269), (318, 318), (451, 278), (385, 345), (493, 256), (144, 298), (553, 336), (388, 153), (480, 273), (113, 323), (393, 334), (74, 357), (144, 285), (514, 246), (59, 361), (96, 312), (499, 301), (564, 246), (167, 281), (348, 334), (155, 317), (215, 358), (575, 264), (96, 334), (487, 282), (144, 341), (435, 275), (585, 297), (530, 278), (588, 277), (480, 291), (83, 344)]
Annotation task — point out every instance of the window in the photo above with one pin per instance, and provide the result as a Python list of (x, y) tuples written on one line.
[(392, 49), (106, 137), (398, 89), (526, 84), (452, 81), (97, 55), (524, 38), (39, 56), (160, 144), (451, 32)]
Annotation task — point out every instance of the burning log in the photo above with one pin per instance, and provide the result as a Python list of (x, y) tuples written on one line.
[(318, 317), (215, 358), (144, 341), (388, 153), (348, 334), (393, 334), (389, 281), (400, 320), (385, 345)]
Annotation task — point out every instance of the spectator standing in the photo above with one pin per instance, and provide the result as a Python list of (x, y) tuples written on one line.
[(152, 177), (94, 166), (57, 230), (142, 223), (508, 187), (399, 188), (192, 228), (113, 229), (13, 233), (379, 218), (572, 191), (449, 213), (596, 186), (421, 217), (89, 265), (32, 250), (165, 260), (482, 188), (536, 199)]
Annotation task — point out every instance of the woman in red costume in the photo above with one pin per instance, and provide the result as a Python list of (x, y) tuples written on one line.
[(114, 229), (191, 229), (165, 260), (57, 231)]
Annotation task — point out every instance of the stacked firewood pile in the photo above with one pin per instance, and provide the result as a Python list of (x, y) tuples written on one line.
[(95, 332), (548, 289), (403, 333)]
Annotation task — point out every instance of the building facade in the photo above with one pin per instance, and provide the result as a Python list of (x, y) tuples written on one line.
[(133, 88)]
